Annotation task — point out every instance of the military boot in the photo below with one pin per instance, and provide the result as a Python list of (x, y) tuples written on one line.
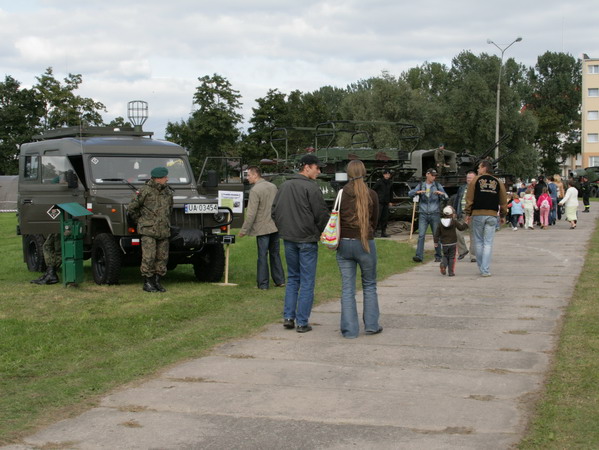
[(157, 283), (49, 277), (149, 284)]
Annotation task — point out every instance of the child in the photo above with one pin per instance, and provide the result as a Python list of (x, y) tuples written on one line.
[(530, 204), (544, 204), (446, 236), (517, 209)]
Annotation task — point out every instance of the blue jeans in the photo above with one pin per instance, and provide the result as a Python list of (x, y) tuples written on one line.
[(424, 220), (302, 258), (351, 254), (483, 228), (268, 250)]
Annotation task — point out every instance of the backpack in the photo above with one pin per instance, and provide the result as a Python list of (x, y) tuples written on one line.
[(545, 203)]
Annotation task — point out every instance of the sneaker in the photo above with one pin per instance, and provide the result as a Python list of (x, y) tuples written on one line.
[(289, 323), (515, 228), (416, 259), (463, 254), (303, 328), (437, 259), (443, 269), (472, 259), (486, 274), (451, 275)]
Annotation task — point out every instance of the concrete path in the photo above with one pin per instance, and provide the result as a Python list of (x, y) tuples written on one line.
[(458, 366)]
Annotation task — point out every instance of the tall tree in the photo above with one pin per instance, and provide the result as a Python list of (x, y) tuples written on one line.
[(555, 100), (62, 107), (20, 114), (212, 129)]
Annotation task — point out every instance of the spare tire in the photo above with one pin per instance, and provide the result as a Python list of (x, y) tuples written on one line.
[(33, 249), (106, 259), (210, 264)]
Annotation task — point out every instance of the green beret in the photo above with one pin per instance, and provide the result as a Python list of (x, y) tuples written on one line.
[(159, 172)]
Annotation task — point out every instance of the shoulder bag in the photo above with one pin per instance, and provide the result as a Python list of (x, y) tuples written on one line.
[(332, 232)]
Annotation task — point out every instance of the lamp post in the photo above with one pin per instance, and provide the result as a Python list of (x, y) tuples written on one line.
[(502, 50)]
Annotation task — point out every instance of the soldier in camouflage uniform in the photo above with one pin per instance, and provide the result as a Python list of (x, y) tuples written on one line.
[(53, 258), (151, 208)]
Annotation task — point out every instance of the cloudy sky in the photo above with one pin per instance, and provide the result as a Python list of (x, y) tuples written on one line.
[(156, 50)]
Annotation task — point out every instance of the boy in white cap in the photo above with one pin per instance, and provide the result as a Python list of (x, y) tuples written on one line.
[(446, 236)]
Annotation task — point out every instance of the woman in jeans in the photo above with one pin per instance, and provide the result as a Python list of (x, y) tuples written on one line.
[(358, 216)]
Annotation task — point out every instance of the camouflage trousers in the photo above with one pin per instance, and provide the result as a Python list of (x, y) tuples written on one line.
[(52, 251), (154, 256)]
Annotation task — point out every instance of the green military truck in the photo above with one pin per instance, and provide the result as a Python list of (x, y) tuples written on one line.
[(101, 169)]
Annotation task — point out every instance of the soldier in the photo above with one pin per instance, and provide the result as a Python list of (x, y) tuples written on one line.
[(440, 159), (585, 192), (52, 258), (383, 189), (151, 208)]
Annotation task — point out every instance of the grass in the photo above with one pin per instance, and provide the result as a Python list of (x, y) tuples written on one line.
[(62, 348), (568, 414)]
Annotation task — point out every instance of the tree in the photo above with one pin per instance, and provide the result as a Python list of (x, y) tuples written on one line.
[(555, 100), (61, 107), (20, 113), (212, 129)]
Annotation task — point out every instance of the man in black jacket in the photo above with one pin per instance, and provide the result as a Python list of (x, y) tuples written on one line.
[(382, 187), (300, 214)]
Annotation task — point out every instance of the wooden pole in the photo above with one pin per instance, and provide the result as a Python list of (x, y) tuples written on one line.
[(413, 216)]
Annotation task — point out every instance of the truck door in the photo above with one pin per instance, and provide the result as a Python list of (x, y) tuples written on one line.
[(46, 179)]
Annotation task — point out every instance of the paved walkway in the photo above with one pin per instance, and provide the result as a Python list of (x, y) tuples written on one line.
[(458, 366)]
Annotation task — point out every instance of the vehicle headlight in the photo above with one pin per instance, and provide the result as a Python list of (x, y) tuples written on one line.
[(220, 217)]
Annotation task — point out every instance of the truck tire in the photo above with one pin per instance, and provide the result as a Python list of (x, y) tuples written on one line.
[(210, 264), (34, 253), (106, 259)]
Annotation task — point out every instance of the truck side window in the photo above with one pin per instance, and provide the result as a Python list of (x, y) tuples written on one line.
[(31, 167), (53, 169)]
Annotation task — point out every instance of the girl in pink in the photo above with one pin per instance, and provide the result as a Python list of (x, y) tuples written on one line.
[(530, 204), (544, 204)]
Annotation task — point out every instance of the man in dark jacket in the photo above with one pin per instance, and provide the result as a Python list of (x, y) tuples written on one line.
[(459, 205), (151, 208), (585, 193), (300, 214), (382, 187), (485, 201)]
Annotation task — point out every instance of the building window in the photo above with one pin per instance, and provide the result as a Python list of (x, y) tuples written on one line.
[(593, 137), (593, 92), (594, 161), (593, 115), (594, 68)]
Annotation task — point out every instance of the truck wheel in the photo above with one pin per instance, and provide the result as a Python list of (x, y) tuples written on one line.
[(210, 264), (106, 259), (34, 253)]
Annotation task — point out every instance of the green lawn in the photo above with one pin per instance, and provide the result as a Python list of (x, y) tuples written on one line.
[(61, 348)]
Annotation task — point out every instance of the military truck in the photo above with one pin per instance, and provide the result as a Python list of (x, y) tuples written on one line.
[(592, 174), (101, 169), (336, 143)]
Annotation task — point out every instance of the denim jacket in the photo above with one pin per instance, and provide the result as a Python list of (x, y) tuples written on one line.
[(429, 204)]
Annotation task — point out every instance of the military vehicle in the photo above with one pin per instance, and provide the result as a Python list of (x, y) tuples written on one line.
[(336, 143), (458, 165), (101, 169), (592, 174)]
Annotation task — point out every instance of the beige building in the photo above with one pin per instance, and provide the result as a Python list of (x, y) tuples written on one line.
[(589, 139)]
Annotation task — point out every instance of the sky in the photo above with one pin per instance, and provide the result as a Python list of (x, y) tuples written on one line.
[(156, 50)]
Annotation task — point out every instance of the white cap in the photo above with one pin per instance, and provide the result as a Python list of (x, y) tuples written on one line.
[(447, 211)]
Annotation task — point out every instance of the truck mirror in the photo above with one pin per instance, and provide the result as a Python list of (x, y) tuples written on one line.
[(211, 179), (71, 179)]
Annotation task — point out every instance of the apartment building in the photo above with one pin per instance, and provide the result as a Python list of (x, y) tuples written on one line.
[(590, 112)]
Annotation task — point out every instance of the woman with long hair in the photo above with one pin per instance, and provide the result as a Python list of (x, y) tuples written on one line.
[(358, 216)]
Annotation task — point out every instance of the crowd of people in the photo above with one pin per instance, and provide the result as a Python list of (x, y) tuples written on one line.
[(296, 212)]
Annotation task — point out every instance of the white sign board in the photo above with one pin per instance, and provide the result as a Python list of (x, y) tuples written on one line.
[(231, 199)]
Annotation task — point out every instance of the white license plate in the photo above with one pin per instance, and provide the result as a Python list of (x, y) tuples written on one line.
[(201, 208)]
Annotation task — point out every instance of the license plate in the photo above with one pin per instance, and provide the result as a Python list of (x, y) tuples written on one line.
[(201, 208)]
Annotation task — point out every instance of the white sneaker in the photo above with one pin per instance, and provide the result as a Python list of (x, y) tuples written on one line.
[(515, 228)]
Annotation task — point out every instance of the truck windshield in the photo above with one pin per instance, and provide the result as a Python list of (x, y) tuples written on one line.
[(136, 170)]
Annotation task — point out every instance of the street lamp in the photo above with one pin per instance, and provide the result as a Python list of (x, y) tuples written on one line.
[(502, 50)]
